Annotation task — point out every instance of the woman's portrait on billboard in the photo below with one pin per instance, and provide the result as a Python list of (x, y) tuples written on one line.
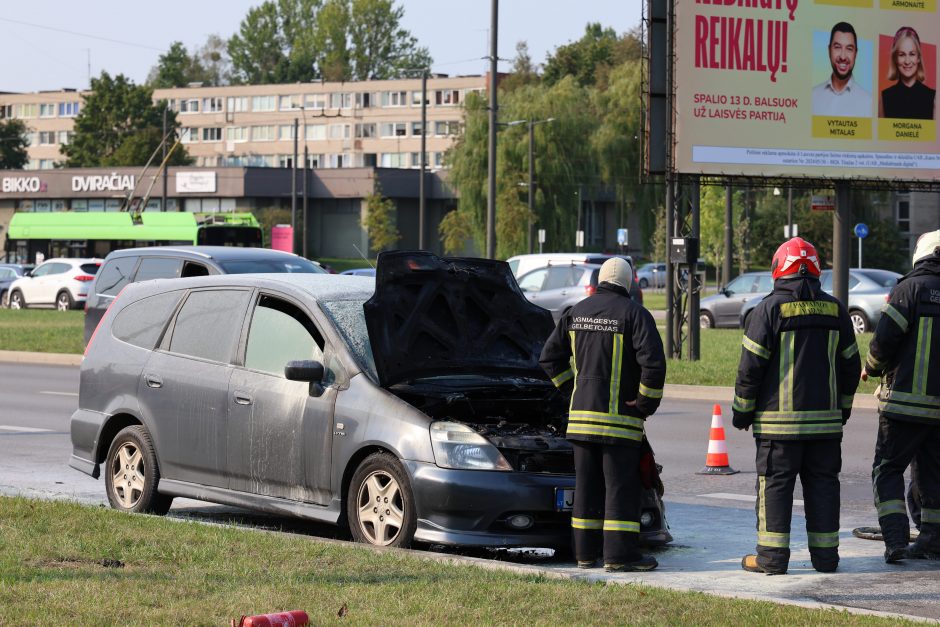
[(909, 97)]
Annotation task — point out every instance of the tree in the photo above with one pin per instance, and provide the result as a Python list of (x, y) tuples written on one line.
[(522, 72), (583, 59), (332, 49), (13, 144), (119, 125), (379, 47), (257, 50), (380, 221), (176, 68), (213, 56)]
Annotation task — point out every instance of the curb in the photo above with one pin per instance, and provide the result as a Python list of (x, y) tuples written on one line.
[(54, 359)]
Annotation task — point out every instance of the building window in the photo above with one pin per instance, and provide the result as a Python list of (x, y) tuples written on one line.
[(446, 128), (416, 129), (236, 133), (6, 111), (315, 101), (46, 138), (416, 159), (32, 138), (364, 100), (339, 131), (189, 106), (65, 137), (315, 161), (212, 105), (285, 132), (189, 134), (393, 159), (68, 109), (46, 164), (237, 104), (316, 131), (212, 134), (338, 161), (263, 133), (394, 99), (904, 214), (263, 103), (27, 110), (447, 97), (393, 129), (47, 110), (438, 159), (416, 99), (365, 131), (340, 101)]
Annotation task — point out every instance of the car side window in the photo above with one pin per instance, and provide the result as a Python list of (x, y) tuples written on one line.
[(42, 270), (741, 284), (532, 282), (765, 283), (853, 281), (6, 273), (141, 323), (826, 280), (280, 332), (194, 269), (559, 277), (209, 324), (158, 268), (115, 275), (58, 268)]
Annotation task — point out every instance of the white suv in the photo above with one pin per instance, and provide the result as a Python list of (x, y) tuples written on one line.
[(59, 283)]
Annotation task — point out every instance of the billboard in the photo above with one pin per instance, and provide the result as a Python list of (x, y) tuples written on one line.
[(802, 88)]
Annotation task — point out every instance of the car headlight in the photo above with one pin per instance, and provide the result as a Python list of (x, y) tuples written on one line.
[(458, 446)]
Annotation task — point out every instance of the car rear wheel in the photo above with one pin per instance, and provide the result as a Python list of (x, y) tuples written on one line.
[(380, 505), (16, 300), (132, 475), (706, 320), (63, 301), (644, 283), (859, 321)]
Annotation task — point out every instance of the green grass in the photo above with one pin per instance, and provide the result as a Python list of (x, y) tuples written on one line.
[(185, 573), (720, 351), (42, 330)]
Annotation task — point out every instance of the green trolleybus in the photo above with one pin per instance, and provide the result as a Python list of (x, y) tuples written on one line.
[(95, 234)]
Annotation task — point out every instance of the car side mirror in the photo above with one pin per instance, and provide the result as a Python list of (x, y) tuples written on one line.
[(306, 370), (28, 273)]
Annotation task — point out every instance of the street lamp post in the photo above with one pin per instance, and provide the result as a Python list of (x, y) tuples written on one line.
[(532, 124)]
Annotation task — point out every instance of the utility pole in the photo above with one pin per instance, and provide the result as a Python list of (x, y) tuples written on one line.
[(293, 192), (790, 210), (729, 256), (166, 166), (531, 184), (304, 233), (491, 165), (840, 243), (422, 216)]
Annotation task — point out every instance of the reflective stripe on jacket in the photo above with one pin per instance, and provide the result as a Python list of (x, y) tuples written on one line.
[(906, 348), (608, 347), (799, 364)]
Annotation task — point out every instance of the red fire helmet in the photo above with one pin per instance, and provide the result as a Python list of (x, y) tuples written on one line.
[(792, 255)]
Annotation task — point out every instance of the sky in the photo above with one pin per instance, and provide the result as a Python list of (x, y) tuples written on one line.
[(49, 44)]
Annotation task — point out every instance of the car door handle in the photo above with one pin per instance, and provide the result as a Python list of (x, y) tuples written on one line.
[(242, 399), (154, 381)]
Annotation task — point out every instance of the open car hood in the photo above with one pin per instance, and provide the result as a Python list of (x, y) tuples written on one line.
[(432, 316)]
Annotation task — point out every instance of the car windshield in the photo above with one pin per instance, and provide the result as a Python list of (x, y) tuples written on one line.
[(349, 319), (251, 266), (884, 278)]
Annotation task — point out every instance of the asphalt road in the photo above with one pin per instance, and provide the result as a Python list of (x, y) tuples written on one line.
[(711, 517)]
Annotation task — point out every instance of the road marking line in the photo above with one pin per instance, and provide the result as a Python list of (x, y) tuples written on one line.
[(59, 393), (750, 498), (24, 429)]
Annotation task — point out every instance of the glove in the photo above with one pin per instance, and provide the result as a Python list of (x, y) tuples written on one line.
[(845, 415), (742, 420)]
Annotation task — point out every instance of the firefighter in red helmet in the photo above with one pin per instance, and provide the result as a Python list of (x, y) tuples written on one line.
[(798, 373)]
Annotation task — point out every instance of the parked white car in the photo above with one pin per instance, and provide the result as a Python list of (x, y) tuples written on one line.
[(60, 283)]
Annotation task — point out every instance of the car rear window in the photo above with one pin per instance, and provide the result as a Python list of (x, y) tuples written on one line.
[(209, 323), (249, 266), (115, 275), (884, 278), (90, 268), (158, 268), (141, 323)]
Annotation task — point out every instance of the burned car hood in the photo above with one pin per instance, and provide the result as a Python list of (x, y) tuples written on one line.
[(435, 316)]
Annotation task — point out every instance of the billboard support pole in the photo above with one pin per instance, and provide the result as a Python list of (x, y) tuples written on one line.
[(693, 288), (670, 268), (840, 242), (729, 231), (672, 350)]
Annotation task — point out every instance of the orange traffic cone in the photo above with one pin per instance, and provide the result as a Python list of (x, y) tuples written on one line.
[(716, 460)]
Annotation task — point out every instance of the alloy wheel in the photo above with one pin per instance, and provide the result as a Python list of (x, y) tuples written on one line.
[(128, 475), (859, 323), (381, 509)]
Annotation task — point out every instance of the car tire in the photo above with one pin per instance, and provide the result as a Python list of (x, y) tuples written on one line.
[(16, 300), (132, 474), (63, 301), (380, 503), (859, 320), (706, 320), (644, 283)]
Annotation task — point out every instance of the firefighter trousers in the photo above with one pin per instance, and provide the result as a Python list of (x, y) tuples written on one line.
[(606, 517), (817, 463), (899, 443)]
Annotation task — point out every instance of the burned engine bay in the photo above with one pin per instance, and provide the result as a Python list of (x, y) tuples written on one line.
[(525, 419)]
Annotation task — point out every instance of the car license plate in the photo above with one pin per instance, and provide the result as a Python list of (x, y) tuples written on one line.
[(564, 499)]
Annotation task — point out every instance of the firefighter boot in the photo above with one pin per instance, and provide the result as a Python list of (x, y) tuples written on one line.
[(646, 562), (897, 535), (927, 545), (752, 564)]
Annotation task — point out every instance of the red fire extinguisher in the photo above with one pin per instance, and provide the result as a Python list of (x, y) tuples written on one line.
[(294, 618)]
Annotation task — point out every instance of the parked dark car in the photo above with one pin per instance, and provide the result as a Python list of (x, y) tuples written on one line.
[(410, 407), (10, 272), (130, 265)]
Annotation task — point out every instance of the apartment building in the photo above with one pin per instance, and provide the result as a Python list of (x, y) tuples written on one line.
[(342, 125)]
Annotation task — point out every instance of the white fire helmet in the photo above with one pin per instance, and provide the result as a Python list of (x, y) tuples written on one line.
[(928, 245)]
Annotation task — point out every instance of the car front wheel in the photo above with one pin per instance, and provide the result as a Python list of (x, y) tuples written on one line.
[(380, 505), (644, 283), (705, 320), (64, 302), (859, 321), (16, 300), (132, 475)]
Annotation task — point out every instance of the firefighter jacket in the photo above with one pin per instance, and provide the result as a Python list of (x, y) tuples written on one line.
[(610, 349), (799, 365), (906, 348)]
